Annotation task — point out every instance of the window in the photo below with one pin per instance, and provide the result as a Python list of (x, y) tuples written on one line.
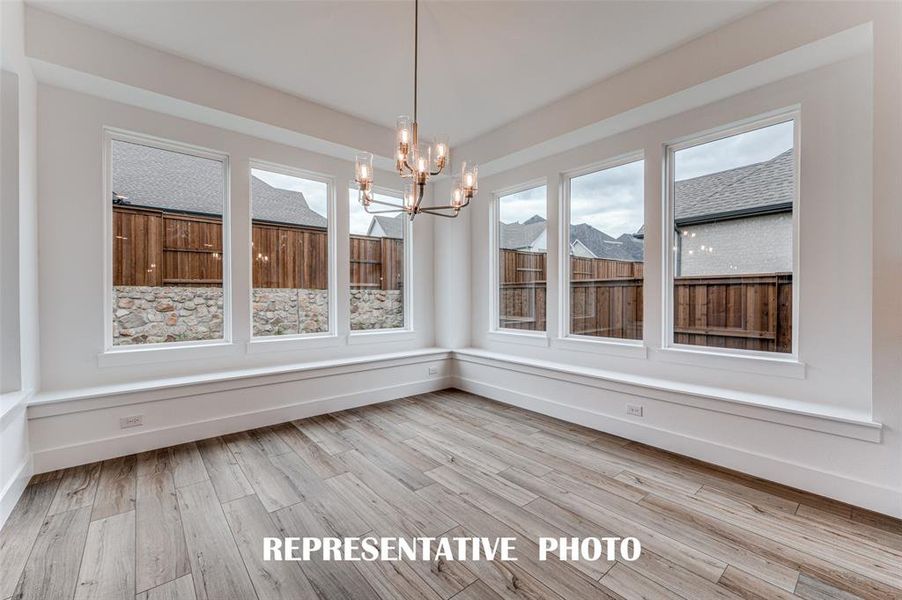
[(168, 256), (522, 242), (378, 265), (605, 255), (732, 209), (289, 252)]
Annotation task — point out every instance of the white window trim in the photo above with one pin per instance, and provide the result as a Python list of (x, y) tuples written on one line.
[(764, 362), (265, 343), (167, 351), (566, 340), (503, 334), (405, 333)]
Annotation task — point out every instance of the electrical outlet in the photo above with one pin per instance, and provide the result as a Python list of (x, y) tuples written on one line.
[(132, 421), (433, 370), (634, 410)]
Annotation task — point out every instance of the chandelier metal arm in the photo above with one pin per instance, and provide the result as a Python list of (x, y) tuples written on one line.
[(381, 212), (383, 203), (436, 211)]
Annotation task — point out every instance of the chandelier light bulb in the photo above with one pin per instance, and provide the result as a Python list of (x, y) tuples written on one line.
[(364, 169), (457, 197)]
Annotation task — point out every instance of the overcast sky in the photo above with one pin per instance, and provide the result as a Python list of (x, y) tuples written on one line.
[(609, 200), (612, 200), (735, 151), (523, 205)]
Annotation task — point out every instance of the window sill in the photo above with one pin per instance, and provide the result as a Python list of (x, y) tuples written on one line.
[(760, 365), (293, 342), (136, 355), (626, 349), (512, 336), (381, 336)]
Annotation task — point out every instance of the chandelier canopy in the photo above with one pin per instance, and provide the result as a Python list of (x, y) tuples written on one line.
[(417, 162)]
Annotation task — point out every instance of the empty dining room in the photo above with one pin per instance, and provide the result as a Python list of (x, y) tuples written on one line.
[(612, 310)]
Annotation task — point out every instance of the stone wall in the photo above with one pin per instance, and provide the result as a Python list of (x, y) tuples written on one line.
[(287, 311), (376, 309), (147, 315)]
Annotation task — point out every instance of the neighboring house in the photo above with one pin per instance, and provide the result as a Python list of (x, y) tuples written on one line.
[(170, 181), (598, 244), (529, 236), (737, 221), (585, 241), (387, 227)]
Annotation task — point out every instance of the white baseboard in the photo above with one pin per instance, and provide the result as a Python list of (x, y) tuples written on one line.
[(122, 445), (882, 499), (12, 490)]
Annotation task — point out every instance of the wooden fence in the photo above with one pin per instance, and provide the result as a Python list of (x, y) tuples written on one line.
[(377, 263), (154, 248), (750, 312)]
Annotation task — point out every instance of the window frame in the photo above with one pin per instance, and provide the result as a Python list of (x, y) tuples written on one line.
[(692, 354), (331, 248), (629, 347), (541, 338), (116, 355), (363, 336)]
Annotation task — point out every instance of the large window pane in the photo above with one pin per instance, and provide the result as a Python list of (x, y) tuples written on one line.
[(377, 265), (290, 254), (733, 249), (167, 245), (607, 252), (522, 239)]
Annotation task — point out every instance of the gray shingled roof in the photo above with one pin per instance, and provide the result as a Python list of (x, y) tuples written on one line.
[(761, 187), (393, 227), (282, 206), (173, 181), (515, 236), (625, 247)]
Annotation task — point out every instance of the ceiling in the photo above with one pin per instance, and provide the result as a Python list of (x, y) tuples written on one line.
[(482, 64)]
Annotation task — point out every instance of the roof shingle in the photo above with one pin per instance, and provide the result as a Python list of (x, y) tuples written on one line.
[(174, 181)]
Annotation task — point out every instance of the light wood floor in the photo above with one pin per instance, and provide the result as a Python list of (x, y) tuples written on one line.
[(188, 521)]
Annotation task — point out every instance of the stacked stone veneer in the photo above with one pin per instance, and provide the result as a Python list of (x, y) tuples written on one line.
[(286, 311), (376, 309), (146, 315)]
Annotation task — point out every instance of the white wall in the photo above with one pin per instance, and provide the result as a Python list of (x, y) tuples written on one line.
[(10, 355), (837, 203), (19, 283)]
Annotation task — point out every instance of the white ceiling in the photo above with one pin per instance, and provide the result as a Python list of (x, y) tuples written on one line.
[(482, 64)]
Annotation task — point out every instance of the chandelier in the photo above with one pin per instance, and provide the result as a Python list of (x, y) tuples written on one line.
[(416, 162)]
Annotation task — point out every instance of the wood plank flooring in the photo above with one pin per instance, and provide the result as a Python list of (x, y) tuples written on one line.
[(187, 522)]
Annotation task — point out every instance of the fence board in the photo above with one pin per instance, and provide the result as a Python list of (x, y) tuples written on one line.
[(152, 247)]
